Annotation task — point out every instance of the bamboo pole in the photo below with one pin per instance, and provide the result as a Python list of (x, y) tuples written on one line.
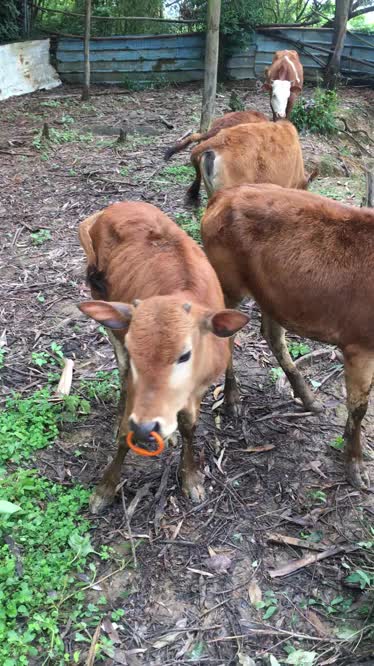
[(87, 69), (211, 64)]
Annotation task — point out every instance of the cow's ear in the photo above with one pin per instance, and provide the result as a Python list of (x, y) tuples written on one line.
[(295, 88), (266, 86), (110, 314), (226, 323)]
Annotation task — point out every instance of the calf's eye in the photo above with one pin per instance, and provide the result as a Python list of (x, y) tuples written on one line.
[(185, 357)]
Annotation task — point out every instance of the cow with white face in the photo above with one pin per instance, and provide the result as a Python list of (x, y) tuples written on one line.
[(284, 81), (171, 345)]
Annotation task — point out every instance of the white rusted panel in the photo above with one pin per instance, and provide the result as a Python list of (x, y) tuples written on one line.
[(25, 67)]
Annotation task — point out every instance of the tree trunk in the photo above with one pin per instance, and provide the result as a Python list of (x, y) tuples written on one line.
[(87, 34), (342, 8), (211, 64)]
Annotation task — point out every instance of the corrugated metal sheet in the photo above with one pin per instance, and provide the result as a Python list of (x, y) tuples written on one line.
[(25, 67), (312, 45), (145, 59), (179, 58)]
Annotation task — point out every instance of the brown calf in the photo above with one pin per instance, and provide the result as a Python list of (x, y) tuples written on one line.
[(309, 263), (228, 120), (264, 152), (284, 80), (173, 337)]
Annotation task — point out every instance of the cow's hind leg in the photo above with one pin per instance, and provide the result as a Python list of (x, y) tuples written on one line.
[(105, 492), (359, 370), (191, 477), (274, 335)]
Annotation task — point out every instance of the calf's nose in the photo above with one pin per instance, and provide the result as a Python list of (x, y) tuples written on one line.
[(142, 431)]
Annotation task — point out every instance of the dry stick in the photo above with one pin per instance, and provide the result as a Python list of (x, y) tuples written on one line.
[(295, 565), (274, 537), (140, 493), (92, 652), (64, 385), (133, 550)]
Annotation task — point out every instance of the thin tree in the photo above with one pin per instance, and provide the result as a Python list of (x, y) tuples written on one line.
[(211, 64), (87, 35)]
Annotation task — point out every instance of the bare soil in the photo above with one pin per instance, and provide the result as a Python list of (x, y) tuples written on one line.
[(198, 567)]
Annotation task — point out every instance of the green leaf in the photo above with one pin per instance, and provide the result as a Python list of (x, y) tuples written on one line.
[(197, 651), (270, 612), (301, 658), (8, 507), (345, 632), (273, 660), (80, 544)]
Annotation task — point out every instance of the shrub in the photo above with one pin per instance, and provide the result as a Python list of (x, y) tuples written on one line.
[(316, 114)]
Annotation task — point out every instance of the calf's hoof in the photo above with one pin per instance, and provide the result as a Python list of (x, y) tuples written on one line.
[(192, 485), (357, 474), (314, 405), (233, 409), (100, 499)]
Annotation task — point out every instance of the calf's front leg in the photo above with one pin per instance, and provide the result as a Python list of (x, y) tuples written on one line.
[(105, 492), (191, 477)]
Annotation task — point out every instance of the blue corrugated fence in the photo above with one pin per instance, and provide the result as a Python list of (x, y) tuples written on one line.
[(180, 58)]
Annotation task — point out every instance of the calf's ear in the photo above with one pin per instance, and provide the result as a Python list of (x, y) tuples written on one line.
[(295, 88), (110, 314), (226, 323)]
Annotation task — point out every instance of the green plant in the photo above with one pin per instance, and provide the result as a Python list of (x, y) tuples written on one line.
[(2, 356), (39, 358), (179, 174), (189, 224), (32, 602), (104, 387), (51, 103), (275, 374), (56, 355), (365, 579), (317, 114), (40, 237), (28, 424), (318, 496), (337, 443), (297, 349), (269, 604)]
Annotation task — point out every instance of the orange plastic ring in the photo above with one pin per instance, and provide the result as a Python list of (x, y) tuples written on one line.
[(143, 452)]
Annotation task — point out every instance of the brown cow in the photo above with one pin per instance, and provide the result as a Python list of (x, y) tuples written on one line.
[(228, 120), (309, 263), (265, 152), (174, 336), (284, 80)]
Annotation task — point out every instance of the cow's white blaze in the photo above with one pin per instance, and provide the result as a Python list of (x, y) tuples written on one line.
[(279, 97)]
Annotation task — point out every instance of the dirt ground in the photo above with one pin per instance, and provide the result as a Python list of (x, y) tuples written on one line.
[(200, 569)]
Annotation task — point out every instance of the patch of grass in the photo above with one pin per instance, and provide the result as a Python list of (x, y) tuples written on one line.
[(60, 136), (29, 424), (317, 114), (49, 545), (190, 224), (40, 237), (51, 103), (298, 349), (275, 374), (180, 174), (337, 443), (104, 387), (269, 605), (55, 356)]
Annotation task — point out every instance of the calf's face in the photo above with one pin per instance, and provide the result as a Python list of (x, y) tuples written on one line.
[(280, 94), (172, 352)]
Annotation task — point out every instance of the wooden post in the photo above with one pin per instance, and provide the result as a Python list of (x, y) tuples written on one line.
[(211, 64), (87, 34)]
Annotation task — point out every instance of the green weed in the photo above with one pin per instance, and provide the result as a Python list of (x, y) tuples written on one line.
[(318, 496), (40, 237), (104, 387), (189, 224), (269, 605), (51, 103), (56, 355), (297, 349), (179, 174), (2, 356), (29, 424), (275, 374), (337, 443), (317, 114)]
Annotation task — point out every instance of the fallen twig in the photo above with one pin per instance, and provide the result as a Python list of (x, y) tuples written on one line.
[(160, 497), (274, 537), (295, 565), (166, 123), (140, 493), (66, 379), (92, 652), (133, 549)]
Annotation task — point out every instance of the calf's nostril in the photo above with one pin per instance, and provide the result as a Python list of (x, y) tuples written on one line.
[(142, 431)]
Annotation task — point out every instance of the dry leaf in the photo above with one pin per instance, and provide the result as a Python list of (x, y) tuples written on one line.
[(217, 391), (244, 660), (219, 563), (111, 630), (321, 628), (211, 552), (168, 639), (217, 404), (259, 449), (254, 592)]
